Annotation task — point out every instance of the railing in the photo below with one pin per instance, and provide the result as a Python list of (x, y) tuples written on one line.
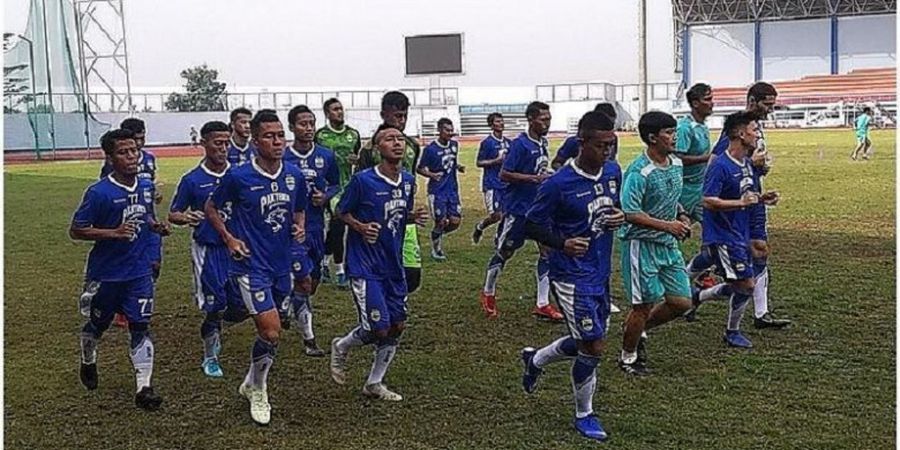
[(156, 102), (573, 92)]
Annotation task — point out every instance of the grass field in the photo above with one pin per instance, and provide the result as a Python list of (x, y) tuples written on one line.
[(826, 382)]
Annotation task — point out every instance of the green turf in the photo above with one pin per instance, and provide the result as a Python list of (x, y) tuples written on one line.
[(827, 382)]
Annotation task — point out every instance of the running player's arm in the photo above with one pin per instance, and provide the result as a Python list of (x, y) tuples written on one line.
[(564, 153), (350, 201), (225, 192), (417, 214), (332, 179), (539, 223), (482, 160), (632, 205), (301, 203), (683, 138), (179, 211), (511, 172), (82, 227), (158, 226), (427, 161), (712, 189)]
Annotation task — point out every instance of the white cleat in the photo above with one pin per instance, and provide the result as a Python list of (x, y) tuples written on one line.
[(260, 411), (338, 363), (614, 309), (381, 392)]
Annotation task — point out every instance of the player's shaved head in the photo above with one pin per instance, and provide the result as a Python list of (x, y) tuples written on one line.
[(212, 127), (594, 121), (651, 123), (734, 123), (608, 109), (381, 128)]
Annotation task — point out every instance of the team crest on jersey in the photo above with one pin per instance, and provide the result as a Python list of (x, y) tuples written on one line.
[(349, 137), (587, 324), (148, 196), (740, 267), (319, 162), (210, 299), (259, 296), (297, 266), (290, 182), (375, 315), (407, 187), (612, 186)]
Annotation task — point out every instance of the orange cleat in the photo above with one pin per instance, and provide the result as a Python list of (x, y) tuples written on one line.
[(706, 281), (119, 321), (489, 305), (547, 312)]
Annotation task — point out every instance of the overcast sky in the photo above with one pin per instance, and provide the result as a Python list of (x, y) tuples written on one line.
[(269, 43)]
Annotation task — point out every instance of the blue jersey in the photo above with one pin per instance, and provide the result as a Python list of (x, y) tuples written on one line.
[(193, 190), (107, 204), (572, 203), (443, 160), (240, 155), (262, 207), (491, 148), (373, 197), (526, 156), (569, 148), (728, 179), (146, 167), (320, 170)]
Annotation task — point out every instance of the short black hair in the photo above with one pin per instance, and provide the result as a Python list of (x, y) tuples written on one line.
[(534, 109), (329, 102), (761, 90), (296, 111), (213, 126), (378, 131), (735, 121), (653, 122), (867, 110), (594, 121), (607, 108), (394, 99), (237, 111), (110, 138), (492, 116), (697, 92), (134, 124), (261, 117), (444, 121)]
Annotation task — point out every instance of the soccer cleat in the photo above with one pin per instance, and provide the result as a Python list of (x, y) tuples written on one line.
[(312, 349), (120, 321), (547, 312), (88, 375), (211, 368), (531, 373), (326, 273), (642, 351), (591, 428), (691, 314), (148, 400), (614, 309), (706, 280), (381, 392), (476, 235), (341, 281), (489, 305), (637, 368), (734, 338), (260, 411), (770, 321), (438, 256), (338, 363)]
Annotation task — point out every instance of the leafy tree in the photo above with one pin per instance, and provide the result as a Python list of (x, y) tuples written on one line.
[(15, 81), (203, 91)]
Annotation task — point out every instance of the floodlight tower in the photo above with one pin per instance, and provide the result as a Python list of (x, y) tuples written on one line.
[(103, 54)]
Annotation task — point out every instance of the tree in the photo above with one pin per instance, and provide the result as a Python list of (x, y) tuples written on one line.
[(15, 82), (203, 92)]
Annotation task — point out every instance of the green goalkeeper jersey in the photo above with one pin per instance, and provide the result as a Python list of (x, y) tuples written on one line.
[(343, 143)]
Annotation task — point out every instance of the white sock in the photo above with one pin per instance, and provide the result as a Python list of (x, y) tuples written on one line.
[(261, 359), (713, 293), (584, 397), (543, 291), (383, 356), (736, 307), (304, 319), (761, 294), (349, 341), (339, 269), (629, 357), (490, 281), (142, 360), (88, 348), (551, 353)]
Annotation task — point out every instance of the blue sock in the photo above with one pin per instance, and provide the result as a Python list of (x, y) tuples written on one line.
[(436, 243), (543, 267), (262, 357), (584, 382)]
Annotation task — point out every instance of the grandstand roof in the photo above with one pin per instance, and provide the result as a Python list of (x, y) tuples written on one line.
[(705, 12)]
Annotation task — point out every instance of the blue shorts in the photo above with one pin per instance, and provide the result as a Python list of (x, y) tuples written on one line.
[(306, 257), (758, 220), (586, 314), (262, 292), (380, 303), (493, 200), (732, 260), (132, 298), (213, 289), (443, 206), (511, 235)]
